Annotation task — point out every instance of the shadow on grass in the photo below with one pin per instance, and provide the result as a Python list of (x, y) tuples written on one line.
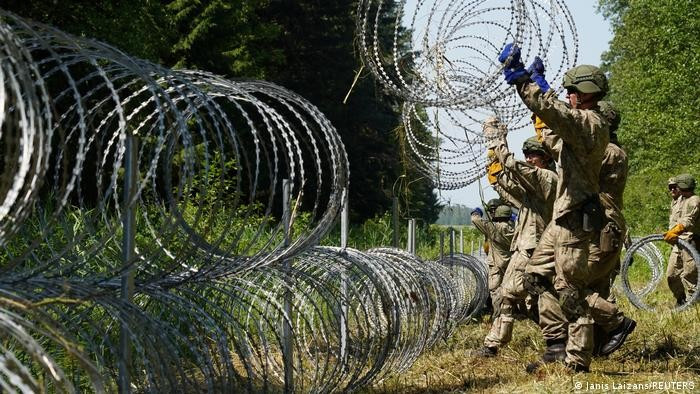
[(665, 352), (471, 383)]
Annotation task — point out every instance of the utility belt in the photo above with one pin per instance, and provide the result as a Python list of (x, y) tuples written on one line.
[(590, 216), (610, 238), (593, 215)]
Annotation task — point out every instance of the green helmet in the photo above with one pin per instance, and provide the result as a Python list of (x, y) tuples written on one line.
[(586, 79), (672, 181), (502, 212), (493, 203), (610, 113), (531, 145), (685, 182)]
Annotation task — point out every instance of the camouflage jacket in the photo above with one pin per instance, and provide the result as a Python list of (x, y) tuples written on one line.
[(499, 235), (689, 216), (577, 139), (613, 177), (531, 189), (675, 212)]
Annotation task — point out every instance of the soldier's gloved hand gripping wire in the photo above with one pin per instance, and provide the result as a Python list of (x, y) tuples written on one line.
[(514, 70)]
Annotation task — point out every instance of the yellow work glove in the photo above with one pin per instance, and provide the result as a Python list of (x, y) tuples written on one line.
[(492, 172), (491, 155), (539, 125), (486, 247), (671, 236)]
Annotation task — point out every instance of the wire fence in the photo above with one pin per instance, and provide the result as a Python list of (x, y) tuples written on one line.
[(158, 231), (440, 58)]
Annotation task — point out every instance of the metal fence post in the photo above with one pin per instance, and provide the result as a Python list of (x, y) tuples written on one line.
[(287, 349), (452, 242), (461, 240), (442, 245), (128, 253), (413, 236), (395, 221), (344, 225)]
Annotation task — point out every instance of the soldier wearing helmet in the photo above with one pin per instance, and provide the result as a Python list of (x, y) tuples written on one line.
[(684, 223), (490, 207), (499, 234), (604, 256), (531, 187), (492, 204), (578, 137)]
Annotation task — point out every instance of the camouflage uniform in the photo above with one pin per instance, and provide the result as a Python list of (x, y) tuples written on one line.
[(604, 259), (577, 139), (499, 236), (682, 273), (604, 254), (533, 191)]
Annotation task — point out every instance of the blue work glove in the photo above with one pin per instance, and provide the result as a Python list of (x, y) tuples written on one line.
[(536, 71), (514, 52), (478, 211), (513, 217), (514, 68)]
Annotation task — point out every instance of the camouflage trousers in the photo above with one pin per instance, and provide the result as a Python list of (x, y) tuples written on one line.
[(495, 280), (603, 266), (512, 292), (682, 273), (580, 273)]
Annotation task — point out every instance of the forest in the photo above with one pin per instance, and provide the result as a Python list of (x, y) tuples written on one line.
[(308, 46), (214, 271)]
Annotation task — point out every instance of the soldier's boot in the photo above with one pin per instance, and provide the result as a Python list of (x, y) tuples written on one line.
[(600, 339), (486, 352), (618, 336), (555, 352), (680, 301)]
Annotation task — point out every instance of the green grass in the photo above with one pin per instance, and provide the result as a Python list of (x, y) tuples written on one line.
[(665, 347)]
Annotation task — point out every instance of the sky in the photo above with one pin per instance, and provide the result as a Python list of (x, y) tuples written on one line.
[(594, 35)]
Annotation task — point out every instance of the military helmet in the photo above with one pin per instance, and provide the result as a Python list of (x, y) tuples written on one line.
[(532, 145), (493, 203), (685, 182), (672, 181), (611, 114), (502, 212), (586, 79)]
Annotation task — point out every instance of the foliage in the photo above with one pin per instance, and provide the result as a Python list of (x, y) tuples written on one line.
[(321, 64), (223, 37), (653, 63), (305, 45)]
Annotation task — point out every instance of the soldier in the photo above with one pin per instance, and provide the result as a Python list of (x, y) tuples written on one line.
[(491, 206), (531, 187), (604, 257), (499, 233), (561, 256), (684, 223)]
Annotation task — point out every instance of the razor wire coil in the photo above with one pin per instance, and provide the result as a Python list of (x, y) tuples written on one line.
[(210, 287), (636, 297), (439, 57)]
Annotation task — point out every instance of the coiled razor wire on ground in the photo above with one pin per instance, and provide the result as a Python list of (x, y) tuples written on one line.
[(101, 149), (448, 73), (651, 255), (636, 297)]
